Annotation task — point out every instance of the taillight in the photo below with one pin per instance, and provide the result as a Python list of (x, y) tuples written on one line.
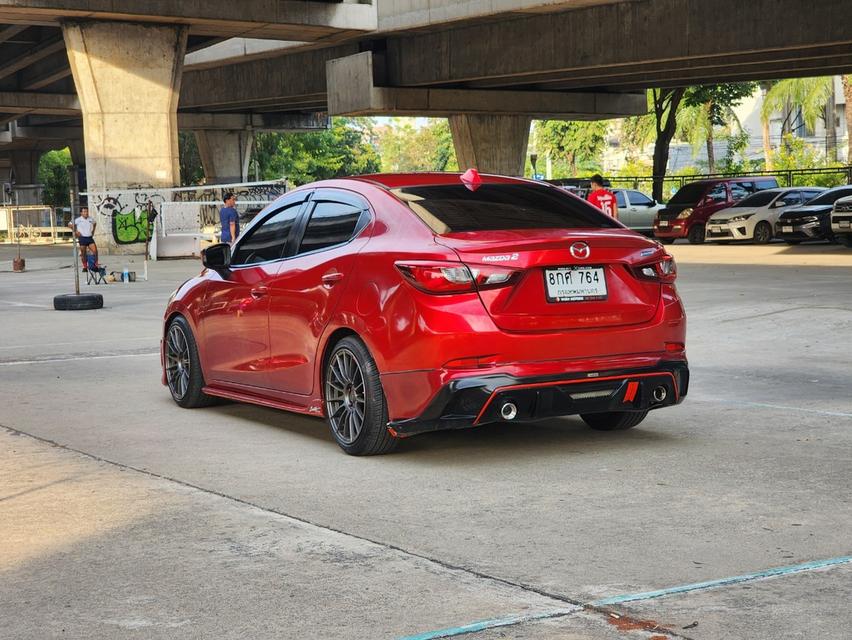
[(454, 277), (663, 270)]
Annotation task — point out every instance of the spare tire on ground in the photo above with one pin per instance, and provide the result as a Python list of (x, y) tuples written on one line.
[(78, 301)]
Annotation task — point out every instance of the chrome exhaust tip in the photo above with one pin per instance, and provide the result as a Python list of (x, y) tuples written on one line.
[(508, 411), (659, 394)]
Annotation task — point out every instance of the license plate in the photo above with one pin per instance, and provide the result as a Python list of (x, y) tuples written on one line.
[(787, 229), (575, 284), (664, 223), (715, 229), (843, 224)]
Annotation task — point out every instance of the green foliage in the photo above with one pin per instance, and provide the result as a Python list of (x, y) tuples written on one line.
[(191, 169), (807, 94), (347, 148), (405, 147), (795, 153), (579, 144), (53, 174), (719, 99), (735, 160)]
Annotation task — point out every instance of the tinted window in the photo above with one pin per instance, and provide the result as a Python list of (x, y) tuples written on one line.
[(719, 193), (331, 223), (451, 208), (767, 184), (790, 198), (807, 195), (830, 196), (640, 199), (759, 199), (267, 240), (689, 193), (619, 199)]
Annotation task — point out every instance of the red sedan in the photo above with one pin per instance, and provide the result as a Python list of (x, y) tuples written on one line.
[(398, 304)]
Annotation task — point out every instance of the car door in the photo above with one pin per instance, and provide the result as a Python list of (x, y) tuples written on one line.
[(792, 198), (234, 318), (309, 284), (624, 216), (642, 210)]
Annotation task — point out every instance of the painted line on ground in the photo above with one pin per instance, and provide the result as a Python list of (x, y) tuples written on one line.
[(723, 582), (24, 304), (15, 363), (767, 405), (154, 339), (483, 625)]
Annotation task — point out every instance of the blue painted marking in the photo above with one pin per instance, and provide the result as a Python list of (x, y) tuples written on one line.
[(710, 584), (490, 624)]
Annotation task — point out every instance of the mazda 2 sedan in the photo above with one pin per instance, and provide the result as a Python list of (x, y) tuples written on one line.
[(393, 305)]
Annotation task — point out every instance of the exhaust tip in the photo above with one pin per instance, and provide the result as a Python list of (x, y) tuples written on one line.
[(659, 394), (508, 411)]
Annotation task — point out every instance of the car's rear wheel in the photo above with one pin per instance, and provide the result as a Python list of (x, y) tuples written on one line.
[(696, 234), (183, 368), (355, 404), (762, 233), (613, 420), (846, 240)]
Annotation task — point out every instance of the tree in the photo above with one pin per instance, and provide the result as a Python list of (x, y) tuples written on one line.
[(708, 106), (347, 148), (405, 147), (798, 97), (847, 92), (580, 144), (191, 169), (53, 174), (666, 103)]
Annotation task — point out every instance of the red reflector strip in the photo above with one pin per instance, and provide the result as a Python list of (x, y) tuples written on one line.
[(630, 394)]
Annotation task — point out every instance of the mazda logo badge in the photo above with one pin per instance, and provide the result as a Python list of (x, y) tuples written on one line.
[(580, 250)]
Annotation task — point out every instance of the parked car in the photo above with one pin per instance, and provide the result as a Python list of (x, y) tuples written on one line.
[(686, 214), (754, 217), (398, 304), (636, 210), (811, 221), (841, 221)]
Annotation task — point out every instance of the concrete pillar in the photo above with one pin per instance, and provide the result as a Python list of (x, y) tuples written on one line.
[(128, 81), (491, 143), (225, 155), (25, 166)]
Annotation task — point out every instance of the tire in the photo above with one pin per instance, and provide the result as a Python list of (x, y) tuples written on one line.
[(183, 368), (666, 240), (793, 242), (696, 234), (613, 420), (78, 301), (846, 240), (762, 233), (358, 421)]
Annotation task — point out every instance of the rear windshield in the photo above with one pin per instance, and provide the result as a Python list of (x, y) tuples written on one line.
[(759, 199), (451, 208), (689, 193), (830, 196)]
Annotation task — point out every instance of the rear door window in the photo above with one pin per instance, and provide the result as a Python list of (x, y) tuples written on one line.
[(451, 208)]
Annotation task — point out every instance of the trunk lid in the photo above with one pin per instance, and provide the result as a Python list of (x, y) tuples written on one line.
[(540, 253)]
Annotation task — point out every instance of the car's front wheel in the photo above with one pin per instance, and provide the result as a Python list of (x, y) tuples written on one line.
[(762, 233), (846, 240), (696, 234), (355, 404), (183, 368), (613, 420)]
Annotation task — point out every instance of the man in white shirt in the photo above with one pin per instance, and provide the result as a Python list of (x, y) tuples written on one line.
[(84, 229)]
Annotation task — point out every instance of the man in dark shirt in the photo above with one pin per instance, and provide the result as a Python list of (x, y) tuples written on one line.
[(230, 219)]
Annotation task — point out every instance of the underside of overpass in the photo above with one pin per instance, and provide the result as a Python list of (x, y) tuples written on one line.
[(489, 66)]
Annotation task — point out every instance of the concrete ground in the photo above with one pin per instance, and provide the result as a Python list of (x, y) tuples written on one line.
[(123, 516)]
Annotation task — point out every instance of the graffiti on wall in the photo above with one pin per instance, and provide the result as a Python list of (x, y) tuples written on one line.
[(130, 214), (208, 216)]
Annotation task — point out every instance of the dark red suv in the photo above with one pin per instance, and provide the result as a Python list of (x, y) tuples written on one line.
[(686, 214)]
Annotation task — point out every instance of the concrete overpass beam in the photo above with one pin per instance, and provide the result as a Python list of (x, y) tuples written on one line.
[(128, 81), (225, 155), (491, 143)]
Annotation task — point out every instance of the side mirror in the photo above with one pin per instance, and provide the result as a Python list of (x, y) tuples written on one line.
[(217, 256)]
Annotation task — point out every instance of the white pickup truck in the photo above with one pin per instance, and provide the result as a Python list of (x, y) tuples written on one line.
[(841, 221)]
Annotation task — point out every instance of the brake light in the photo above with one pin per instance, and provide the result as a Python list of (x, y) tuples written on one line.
[(454, 277), (663, 270)]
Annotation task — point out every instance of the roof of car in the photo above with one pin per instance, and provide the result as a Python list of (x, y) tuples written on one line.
[(400, 180)]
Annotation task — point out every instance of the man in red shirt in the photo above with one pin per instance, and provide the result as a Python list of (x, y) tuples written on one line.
[(603, 198)]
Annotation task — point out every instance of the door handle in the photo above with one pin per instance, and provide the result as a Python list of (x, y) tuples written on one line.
[(332, 278), (259, 292)]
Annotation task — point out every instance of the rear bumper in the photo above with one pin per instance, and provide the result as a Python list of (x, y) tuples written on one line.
[(479, 399)]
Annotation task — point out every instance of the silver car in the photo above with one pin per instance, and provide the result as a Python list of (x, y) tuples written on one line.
[(754, 217), (636, 210)]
